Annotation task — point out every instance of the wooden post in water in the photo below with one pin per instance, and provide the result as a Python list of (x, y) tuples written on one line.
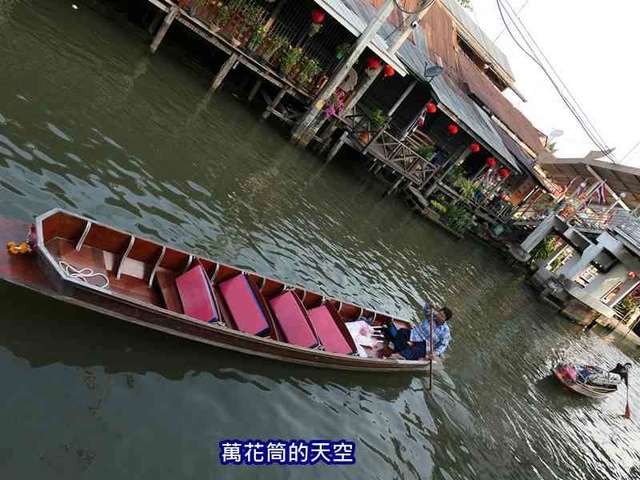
[(254, 91), (162, 31), (274, 103), (337, 146), (224, 71)]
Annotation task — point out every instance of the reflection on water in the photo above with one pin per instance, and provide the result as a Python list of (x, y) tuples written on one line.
[(91, 123)]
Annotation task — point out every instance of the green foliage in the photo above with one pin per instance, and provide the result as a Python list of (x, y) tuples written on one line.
[(256, 38), (377, 120), (467, 188), (425, 151), (459, 218), (438, 207), (290, 58), (627, 304), (273, 44), (224, 15), (310, 67), (543, 250)]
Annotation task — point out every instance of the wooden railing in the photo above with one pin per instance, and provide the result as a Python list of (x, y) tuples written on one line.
[(399, 154)]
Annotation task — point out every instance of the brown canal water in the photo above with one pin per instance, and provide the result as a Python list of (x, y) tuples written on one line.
[(92, 123)]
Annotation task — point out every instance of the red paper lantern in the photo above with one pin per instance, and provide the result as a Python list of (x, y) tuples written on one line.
[(317, 15), (503, 172), (633, 275), (373, 63), (453, 129), (431, 107), (491, 162), (474, 147), (388, 71)]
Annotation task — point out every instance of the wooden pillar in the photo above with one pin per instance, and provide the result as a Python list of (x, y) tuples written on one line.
[(402, 98), (274, 15), (274, 103), (224, 71), (307, 126), (168, 20), (337, 146), (254, 90)]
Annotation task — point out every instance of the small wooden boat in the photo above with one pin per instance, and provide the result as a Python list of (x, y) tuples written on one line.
[(587, 380), (85, 263)]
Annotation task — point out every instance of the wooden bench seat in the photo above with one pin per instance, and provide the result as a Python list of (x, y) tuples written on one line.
[(333, 338), (196, 295), (244, 306), (293, 320)]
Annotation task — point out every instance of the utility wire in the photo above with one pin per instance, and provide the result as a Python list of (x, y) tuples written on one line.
[(505, 28), (589, 130), (630, 151), (584, 117)]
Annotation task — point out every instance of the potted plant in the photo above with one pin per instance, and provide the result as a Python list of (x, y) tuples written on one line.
[(273, 43), (310, 67), (289, 59), (459, 219), (222, 18), (425, 151), (194, 7), (467, 188), (256, 39), (342, 50), (376, 122)]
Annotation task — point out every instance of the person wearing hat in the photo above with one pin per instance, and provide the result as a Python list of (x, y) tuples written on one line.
[(413, 343)]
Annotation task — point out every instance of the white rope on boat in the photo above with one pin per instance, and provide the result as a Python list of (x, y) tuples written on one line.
[(83, 275)]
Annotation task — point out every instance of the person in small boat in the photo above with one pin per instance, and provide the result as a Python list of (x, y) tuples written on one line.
[(413, 343), (623, 371)]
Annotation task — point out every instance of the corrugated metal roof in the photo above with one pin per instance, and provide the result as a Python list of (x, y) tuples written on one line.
[(355, 15), (471, 117), (494, 52)]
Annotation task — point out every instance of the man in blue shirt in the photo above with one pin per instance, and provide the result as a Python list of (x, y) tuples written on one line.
[(413, 344)]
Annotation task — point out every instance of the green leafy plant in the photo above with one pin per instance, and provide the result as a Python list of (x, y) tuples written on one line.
[(627, 304), (543, 250), (459, 218), (425, 151), (256, 39), (290, 58), (310, 67), (467, 188), (224, 16), (273, 44), (377, 120), (438, 207)]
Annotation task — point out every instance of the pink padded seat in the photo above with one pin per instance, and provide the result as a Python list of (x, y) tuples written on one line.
[(293, 321), (244, 306), (330, 335), (196, 295)]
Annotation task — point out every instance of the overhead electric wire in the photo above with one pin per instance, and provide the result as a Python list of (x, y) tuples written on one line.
[(589, 129), (595, 138), (600, 143)]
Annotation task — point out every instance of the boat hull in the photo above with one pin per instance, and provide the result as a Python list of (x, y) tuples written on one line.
[(582, 388), (29, 272)]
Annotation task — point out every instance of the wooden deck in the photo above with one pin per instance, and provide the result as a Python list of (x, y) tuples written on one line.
[(236, 55)]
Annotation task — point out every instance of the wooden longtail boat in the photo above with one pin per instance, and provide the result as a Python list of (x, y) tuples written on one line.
[(85, 263), (587, 380)]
